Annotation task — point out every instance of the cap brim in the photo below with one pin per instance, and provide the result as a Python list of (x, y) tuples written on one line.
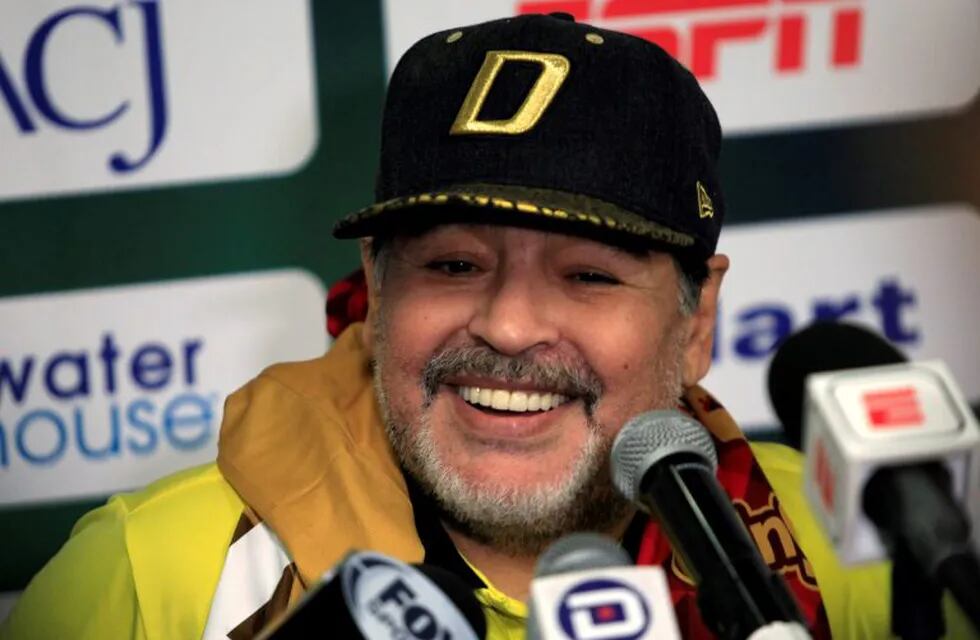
[(509, 204)]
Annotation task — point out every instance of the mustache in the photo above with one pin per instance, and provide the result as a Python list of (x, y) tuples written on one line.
[(570, 380)]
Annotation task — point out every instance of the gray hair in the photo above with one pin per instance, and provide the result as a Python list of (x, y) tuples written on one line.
[(688, 290)]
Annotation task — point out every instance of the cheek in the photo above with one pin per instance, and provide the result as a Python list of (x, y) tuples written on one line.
[(410, 330), (621, 346), (633, 365)]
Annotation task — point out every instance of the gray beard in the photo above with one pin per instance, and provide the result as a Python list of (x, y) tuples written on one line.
[(521, 522)]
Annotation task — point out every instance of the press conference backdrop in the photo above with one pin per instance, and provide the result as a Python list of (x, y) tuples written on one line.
[(170, 171)]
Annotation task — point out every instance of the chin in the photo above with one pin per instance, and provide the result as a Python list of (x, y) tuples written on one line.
[(507, 471), (515, 502)]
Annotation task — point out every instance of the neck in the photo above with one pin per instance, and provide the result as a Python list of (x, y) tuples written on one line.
[(511, 574), (508, 573)]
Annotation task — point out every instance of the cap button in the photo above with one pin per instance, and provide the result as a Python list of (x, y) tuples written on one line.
[(561, 15)]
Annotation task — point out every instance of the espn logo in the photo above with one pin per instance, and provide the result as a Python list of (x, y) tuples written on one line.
[(893, 408), (770, 64), (697, 31)]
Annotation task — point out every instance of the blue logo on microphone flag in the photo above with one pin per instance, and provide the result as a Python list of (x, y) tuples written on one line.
[(603, 608)]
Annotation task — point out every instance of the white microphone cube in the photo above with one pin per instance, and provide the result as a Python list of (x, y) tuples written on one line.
[(600, 604), (857, 421)]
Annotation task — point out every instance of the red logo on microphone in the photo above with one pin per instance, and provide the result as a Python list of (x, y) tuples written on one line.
[(894, 408), (824, 475), (696, 32)]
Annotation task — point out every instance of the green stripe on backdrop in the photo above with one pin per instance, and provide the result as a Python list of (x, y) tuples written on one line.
[(30, 535), (113, 238), (163, 233)]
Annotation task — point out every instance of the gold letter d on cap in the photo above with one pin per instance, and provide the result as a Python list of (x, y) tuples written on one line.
[(554, 70)]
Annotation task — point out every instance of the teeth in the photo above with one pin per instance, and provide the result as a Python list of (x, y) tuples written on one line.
[(500, 399), (533, 401), (516, 401)]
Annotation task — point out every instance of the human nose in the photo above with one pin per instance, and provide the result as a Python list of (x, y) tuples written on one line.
[(514, 316)]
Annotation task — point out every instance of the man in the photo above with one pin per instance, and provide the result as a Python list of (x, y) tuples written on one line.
[(540, 268)]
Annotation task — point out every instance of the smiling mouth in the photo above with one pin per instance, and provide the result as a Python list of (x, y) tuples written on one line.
[(512, 401)]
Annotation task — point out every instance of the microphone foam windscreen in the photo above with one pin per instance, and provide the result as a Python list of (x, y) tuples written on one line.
[(822, 346), (649, 438), (580, 552)]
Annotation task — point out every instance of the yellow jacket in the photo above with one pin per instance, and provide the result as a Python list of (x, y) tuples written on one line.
[(301, 444)]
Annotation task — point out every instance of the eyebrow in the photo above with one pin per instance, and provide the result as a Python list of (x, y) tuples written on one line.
[(625, 248)]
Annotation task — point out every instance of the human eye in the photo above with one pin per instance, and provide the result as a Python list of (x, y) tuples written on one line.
[(453, 267), (591, 276)]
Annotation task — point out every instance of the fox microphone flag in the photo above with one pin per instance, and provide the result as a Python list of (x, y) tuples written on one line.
[(373, 596)]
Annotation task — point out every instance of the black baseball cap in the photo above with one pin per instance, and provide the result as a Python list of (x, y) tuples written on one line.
[(541, 121)]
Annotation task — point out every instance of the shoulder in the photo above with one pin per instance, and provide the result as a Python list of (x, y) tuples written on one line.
[(144, 565), (856, 598), (184, 494), (178, 526), (174, 516)]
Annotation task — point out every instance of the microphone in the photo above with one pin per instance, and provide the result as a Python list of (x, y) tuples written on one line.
[(892, 458), (822, 346), (372, 596), (665, 462), (586, 587)]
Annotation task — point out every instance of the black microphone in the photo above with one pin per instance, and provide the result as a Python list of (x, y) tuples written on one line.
[(822, 346), (665, 462), (372, 596), (891, 449)]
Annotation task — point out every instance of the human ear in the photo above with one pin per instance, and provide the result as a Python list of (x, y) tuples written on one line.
[(701, 327)]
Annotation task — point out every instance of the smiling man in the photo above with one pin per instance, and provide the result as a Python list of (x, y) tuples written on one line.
[(541, 269), (540, 264), (508, 359)]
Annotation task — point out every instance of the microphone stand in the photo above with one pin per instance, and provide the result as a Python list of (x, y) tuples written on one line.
[(930, 544), (917, 611)]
